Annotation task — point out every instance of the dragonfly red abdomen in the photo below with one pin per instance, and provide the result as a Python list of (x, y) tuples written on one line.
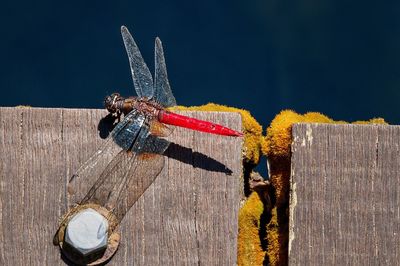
[(170, 118)]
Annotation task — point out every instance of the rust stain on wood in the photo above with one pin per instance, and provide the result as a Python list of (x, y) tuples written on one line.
[(187, 216)]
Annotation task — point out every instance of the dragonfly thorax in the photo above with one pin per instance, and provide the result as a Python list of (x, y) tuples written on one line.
[(148, 108), (116, 104)]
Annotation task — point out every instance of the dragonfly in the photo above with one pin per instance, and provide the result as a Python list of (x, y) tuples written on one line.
[(131, 157)]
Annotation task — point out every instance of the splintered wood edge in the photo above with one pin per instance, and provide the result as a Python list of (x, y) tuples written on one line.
[(114, 236)]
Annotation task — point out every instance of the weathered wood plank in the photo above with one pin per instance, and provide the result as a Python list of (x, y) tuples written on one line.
[(345, 195), (215, 243), (187, 216), (31, 189)]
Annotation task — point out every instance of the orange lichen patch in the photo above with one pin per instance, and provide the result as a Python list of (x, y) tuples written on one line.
[(277, 147), (250, 251), (252, 130)]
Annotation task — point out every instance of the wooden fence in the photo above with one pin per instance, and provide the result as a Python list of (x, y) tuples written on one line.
[(344, 206), (188, 216)]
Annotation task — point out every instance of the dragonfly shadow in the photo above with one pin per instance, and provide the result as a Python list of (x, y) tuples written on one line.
[(106, 125), (196, 159), (174, 151)]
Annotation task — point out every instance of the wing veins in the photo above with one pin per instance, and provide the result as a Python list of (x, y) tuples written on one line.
[(142, 79)]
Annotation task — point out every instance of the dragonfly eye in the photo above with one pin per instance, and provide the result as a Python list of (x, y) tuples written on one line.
[(110, 102)]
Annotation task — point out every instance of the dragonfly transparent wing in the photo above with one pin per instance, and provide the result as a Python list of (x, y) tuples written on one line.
[(122, 136), (141, 174), (142, 79), (162, 89), (149, 164), (129, 174)]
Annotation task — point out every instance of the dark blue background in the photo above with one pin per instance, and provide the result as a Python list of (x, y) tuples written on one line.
[(335, 57)]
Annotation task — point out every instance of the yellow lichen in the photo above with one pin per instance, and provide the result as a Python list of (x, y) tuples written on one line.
[(277, 239), (372, 121), (250, 251), (279, 133), (277, 147), (252, 130)]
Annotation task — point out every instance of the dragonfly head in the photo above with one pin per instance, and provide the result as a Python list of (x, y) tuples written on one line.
[(111, 102)]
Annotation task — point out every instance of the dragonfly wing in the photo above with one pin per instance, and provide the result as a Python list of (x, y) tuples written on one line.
[(140, 176), (126, 138), (127, 176), (89, 172), (162, 89), (142, 79), (107, 189), (159, 129)]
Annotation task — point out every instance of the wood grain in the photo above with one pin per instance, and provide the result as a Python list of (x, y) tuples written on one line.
[(345, 195), (188, 216)]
